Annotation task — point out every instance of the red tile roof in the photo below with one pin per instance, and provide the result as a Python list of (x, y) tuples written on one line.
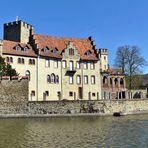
[(9, 48), (83, 45)]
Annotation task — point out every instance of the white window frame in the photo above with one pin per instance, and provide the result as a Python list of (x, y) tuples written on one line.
[(92, 65), (78, 79), (47, 63), (64, 64), (85, 65), (70, 79), (78, 64), (85, 79), (55, 63), (93, 80)]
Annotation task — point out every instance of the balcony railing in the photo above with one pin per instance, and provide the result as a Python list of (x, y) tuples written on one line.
[(70, 69)]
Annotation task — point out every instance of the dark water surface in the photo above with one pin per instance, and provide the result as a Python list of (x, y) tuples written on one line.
[(75, 132)]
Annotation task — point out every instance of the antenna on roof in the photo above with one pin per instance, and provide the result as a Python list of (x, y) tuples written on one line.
[(17, 18)]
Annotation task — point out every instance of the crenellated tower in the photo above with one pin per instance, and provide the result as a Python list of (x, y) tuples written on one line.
[(103, 54), (18, 31)]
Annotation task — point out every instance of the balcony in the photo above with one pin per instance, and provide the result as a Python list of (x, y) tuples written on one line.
[(70, 70)]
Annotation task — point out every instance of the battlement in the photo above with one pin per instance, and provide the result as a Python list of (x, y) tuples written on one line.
[(103, 51), (24, 24)]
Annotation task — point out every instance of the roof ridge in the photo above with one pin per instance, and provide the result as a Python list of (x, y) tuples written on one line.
[(61, 37)]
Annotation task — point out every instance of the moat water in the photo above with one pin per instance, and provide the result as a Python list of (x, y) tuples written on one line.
[(75, 132)]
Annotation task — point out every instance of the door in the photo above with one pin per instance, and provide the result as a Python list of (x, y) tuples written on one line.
[(80, 91)]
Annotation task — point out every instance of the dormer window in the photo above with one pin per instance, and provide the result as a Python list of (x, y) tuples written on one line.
[(71, 52), (55, 50), (46, 49), (17, 48), (26, 49), (88, 53)]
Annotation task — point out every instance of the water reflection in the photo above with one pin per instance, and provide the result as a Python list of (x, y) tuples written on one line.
[(76, 132)]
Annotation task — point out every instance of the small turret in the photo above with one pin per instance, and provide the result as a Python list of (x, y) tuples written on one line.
[(103, 54)]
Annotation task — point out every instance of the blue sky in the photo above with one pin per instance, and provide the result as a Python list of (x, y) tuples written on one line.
[(112, 23)]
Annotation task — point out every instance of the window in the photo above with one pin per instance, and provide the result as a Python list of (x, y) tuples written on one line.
[(47, 63), (55, 64), (78, 79), (71, 52), (104, 66), (70, 79), (70, 93), (92, 79), (27, 73), (32, 93), (46, 49), (31, 61), (78, 64), (52, 78), (9, 60), (85, 65), (92, 65), (17, 48), (85, 79), (48, 79), (57, 79), (64, 64), (71, 65), (93, 94), (26, 49), (105, 58), (55, 50), (88, 53), (47, 93), (21, 61)]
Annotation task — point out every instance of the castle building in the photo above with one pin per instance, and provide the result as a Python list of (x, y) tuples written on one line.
[(113, 84), (58, 68)]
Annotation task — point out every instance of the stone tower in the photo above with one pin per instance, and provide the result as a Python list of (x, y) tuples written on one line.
[(18, 31), (103, 54)]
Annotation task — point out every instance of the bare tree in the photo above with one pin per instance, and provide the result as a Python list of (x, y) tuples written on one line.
[(129, 59), (121, 57)]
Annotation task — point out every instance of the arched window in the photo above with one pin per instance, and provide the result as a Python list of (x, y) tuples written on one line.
[(71, 52), (121, 81), (116, 81), (52, 78), (48, 79), (11, 60), (33, 62), (111, 82), (19, 60), (23, 61), (64, 64), (30, 61), (28, 74), (104, 80), (7, 59), (57, 79)]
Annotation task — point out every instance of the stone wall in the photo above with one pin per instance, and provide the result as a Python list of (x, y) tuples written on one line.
[(13, 96), (75, 107), (14, 101)]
